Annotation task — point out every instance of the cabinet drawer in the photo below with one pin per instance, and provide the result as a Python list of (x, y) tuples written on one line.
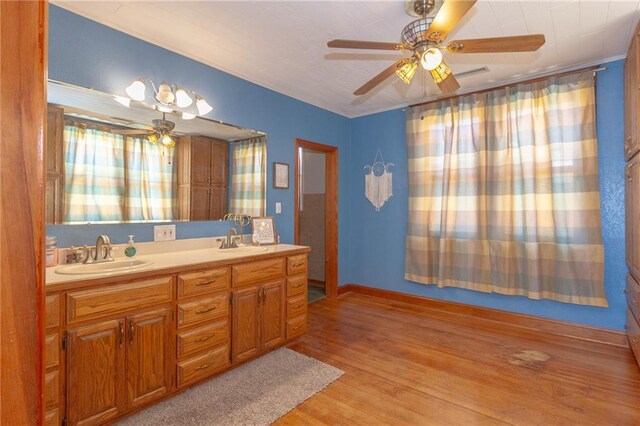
[(52, 310), (296, 326), (203, 282), (115, 299), (202, 310), (296, 306), (203, 366), (51, 388), (296, 285), (631, 291), (297, 264), (633, 334), (262, 270), (208, 336), (52, 343)]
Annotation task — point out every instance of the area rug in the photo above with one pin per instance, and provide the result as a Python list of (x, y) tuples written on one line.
[(257, 393)]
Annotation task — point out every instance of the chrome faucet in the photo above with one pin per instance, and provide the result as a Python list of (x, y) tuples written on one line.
[(101, 252), (230, 241)]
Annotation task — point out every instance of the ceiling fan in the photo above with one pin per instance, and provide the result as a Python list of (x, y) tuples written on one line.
[(161, 131), (424, 37)]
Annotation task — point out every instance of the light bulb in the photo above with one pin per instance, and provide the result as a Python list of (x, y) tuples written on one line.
[(203, 106), (136, 90), (183, 99), (431, 58), (165, 95), (122, 100), (167, 141), (188, 116)]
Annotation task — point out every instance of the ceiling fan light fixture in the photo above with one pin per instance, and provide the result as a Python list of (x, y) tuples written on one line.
[(183, 99), (202, 105), (188, 116), (168, 141), (136, 90), (431, 59), (440, 72), (153, 138), (163, 108), (407, 71)]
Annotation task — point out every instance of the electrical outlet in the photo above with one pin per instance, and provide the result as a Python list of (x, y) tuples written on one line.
[(164, 233), (278, 208)]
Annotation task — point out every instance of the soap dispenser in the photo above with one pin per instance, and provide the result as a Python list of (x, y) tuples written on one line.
[(130, 250)]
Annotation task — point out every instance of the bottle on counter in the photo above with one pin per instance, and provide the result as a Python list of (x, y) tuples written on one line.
[(130, 250), (51, 251)]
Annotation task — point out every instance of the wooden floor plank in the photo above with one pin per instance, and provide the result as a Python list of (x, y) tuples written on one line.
[(412, 365)]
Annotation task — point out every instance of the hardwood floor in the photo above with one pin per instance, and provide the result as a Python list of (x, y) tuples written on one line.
[(406, 364)]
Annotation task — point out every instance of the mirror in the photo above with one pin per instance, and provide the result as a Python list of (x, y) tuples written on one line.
[(111, 163)]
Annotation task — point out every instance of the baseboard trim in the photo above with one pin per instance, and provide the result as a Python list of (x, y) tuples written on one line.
[(530, 322)]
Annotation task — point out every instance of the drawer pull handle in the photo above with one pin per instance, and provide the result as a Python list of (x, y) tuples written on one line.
[(298, 306), (296, 327), (204, 367), (131, 329), (121, 327), (204, 311), (205, 283), (297, 285), (204, 339)]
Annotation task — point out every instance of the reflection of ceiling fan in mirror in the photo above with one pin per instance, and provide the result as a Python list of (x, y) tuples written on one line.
[(424, 37), (161, 131)]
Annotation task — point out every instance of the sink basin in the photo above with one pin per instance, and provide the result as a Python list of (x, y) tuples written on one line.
[(243, 250), (102, 268)]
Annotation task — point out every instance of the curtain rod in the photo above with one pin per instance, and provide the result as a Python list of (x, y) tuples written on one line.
[(595, 69)]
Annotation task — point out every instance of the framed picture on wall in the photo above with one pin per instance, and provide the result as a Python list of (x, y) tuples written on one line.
[(280, 175), (264, 229)]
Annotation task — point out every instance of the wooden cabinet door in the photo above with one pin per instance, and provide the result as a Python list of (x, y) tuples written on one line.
[(96, 369), (632, 217), (272, 315), (148, 356), (217, 202), (632, 91), (200, 161), (199, 203), (219, 162), (245, 327)]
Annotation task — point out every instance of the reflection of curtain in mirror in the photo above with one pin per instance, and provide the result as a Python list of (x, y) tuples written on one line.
[(249, 177), (151, 181), (94, 174)]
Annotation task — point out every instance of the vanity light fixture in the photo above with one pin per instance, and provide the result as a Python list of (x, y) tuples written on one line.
[(169, 98)]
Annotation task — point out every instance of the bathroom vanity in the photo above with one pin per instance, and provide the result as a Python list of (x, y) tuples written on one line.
[(120, 339)]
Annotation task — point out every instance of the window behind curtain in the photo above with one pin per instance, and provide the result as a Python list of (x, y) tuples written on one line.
[(248, 181), (111, 179), (503, 192)]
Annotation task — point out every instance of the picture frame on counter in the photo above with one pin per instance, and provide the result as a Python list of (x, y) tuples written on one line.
[(280, 175), (264, 229)]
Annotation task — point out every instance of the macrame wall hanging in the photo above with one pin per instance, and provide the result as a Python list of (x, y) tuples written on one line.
[(378, 184)]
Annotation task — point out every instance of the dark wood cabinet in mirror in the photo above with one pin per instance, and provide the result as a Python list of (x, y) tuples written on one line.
[(104, 164)]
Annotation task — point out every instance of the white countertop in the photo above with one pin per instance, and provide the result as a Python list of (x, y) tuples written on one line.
[(169, 254)]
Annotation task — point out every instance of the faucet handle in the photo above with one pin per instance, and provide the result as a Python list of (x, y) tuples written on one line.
[(222, 243), (88, 254), (107, 252)]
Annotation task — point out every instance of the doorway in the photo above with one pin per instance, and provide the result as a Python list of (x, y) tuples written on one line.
[(316, 214)]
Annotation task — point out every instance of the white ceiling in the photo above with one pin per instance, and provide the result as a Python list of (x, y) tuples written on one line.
[(282, 44)]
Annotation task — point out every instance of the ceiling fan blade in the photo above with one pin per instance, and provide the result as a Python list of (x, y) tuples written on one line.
[(381, 77), (360, 44), (523, 43), (448, 17), (449, 84)]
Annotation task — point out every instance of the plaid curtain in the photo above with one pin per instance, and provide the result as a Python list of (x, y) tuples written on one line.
[(248, 179), (94, 174), (503, 192), (151, 181)]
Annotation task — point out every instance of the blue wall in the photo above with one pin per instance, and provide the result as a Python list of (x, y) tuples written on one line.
[(88, 54), (378, 239), (371, 244)]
